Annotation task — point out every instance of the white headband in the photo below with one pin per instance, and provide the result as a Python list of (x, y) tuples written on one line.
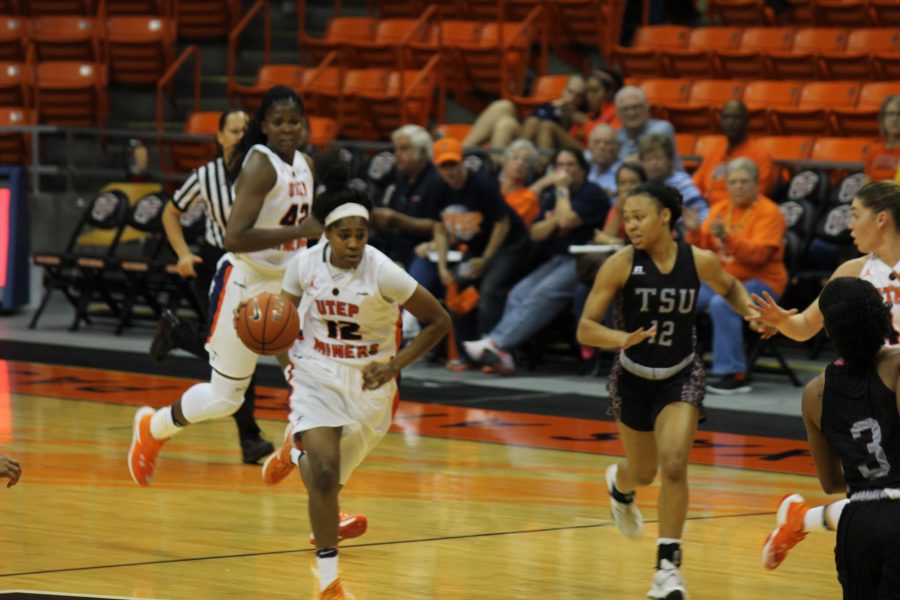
[(351, 209)]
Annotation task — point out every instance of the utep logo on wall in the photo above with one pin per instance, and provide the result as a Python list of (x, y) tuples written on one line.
[(148, 208), (104, 207)]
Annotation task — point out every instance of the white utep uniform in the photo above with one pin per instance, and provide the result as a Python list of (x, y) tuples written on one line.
[(350, 318), (243, 275), (878, 273)]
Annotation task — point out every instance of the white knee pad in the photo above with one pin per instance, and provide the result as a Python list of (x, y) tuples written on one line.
[(220, 397)]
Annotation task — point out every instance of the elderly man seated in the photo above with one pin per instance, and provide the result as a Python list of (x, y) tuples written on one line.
[(747, 232)]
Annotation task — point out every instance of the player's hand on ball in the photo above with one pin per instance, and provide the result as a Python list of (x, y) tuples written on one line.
[(377, 374)]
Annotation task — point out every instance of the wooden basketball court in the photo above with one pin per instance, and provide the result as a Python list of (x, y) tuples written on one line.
[(462, 504)]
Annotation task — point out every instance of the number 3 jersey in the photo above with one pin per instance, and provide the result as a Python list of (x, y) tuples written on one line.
[(348, 315), (667, 301), (286, 204), (861, 424)]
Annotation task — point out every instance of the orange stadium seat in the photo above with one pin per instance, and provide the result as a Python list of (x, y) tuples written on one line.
[(700, 113), (786, 147), (810, 117), (38, 8), (206, 19), (321, 87), (268, 75), (643, 58), (340, 31), (840, 149), (15, 84), (544, 89), (841, 13), (354, 119), (585, 24), (802, 60), (391, 36), (745, 13), (14, 147), (71, 93), (14, 37), (391, 109), (857, 61), (863, 119), (322, 131), (762, 96), (699, 58), (188, 155), (71, 37), (749, 60), (684, 146), (884, 13), (662, 92), (140, 48)]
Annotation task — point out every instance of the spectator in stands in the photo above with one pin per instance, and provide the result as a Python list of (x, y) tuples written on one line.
[(657, 154), (634, 114), (747, 232), (710, 175), (603, 152), (569, 214), (476, 220), (883, 158), (551, 125), (600, 89), (629, 177), (410, 214), (520, 161), (498, 122)]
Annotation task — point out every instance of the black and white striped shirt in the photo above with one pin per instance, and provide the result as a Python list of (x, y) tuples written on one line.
[(209, 185)]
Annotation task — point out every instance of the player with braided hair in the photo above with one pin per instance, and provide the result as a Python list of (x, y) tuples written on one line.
[(268, 224), (344, 370), (852, 418), (657, 382), (875, 227)]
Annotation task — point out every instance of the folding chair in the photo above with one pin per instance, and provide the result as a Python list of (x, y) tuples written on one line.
[(90, 246)]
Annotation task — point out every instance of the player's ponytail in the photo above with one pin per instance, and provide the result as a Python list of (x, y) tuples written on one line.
[(857, 320), (332, 176)]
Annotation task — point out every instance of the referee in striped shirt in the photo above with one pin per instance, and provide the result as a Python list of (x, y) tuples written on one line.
[(211, 185)]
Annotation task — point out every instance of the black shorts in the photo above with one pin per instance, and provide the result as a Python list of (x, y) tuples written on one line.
[(637, 401), (867, 550)]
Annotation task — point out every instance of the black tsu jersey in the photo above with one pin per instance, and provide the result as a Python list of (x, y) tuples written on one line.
[(861, 424), (668, 301)]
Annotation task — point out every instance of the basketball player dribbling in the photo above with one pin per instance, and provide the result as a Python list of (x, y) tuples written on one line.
[(875, 227), (344, 370), (268, 224), (657, 382)]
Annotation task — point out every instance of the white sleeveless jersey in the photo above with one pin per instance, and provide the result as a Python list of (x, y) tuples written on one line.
[(879, 274), (345, 316), (287, 203)]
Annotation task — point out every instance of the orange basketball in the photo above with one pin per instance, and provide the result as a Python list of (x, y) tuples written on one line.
[(268, 324)]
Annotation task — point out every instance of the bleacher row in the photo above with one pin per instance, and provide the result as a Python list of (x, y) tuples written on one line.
[(729, 52), (847, 13)]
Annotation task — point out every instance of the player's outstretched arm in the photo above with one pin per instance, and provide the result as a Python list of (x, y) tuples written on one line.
[(710, 271), (10, 469), (424, 307)]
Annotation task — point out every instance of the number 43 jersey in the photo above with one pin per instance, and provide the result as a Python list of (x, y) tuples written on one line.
[(666, 300), (349, 315), (286, 204), (861, 424)]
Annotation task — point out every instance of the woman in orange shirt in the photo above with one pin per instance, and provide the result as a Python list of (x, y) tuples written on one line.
[(883, 158), (747, 232)]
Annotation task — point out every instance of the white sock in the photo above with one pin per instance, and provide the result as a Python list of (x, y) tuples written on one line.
[(824, 518), (162, 425), (295, 456), (328, 570)]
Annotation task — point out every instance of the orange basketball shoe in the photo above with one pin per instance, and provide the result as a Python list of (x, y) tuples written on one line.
[(350, 526), (279, 465), (788, 530), (144, 448), (334, 591)]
